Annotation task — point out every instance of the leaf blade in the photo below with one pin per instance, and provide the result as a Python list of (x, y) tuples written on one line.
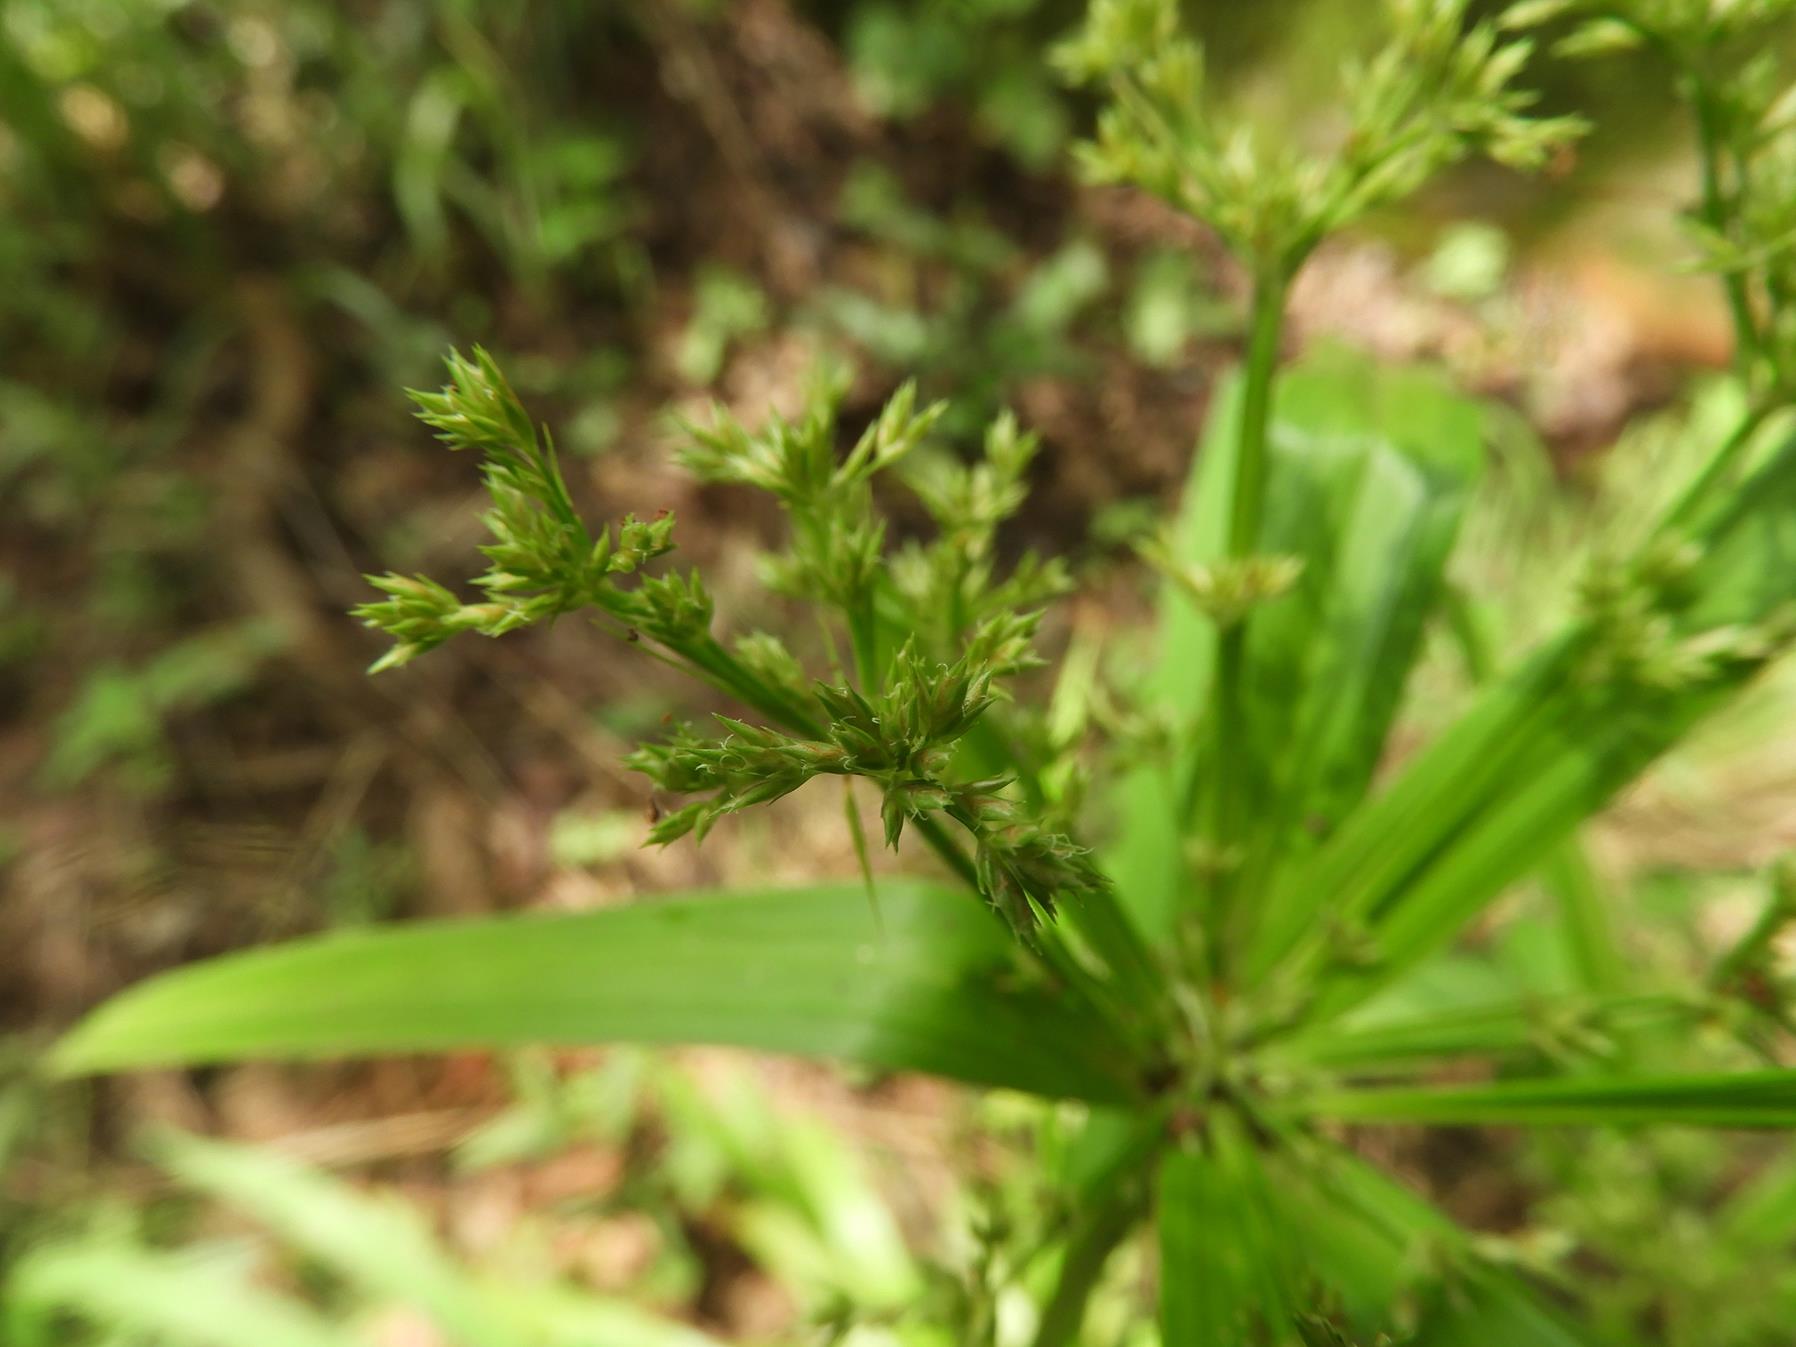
[(1748, 1099), (379, 1245), (1541, 750), (1224, 1273), (802, 971), (1373, 467), (1500, 1030), (178, 1297), (1375, 1245)]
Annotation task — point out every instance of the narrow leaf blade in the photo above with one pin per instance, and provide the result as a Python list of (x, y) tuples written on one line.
[(1542, 750), (178, 1298), (1498, 1030), (937, 988), (381, 1246), (1375, 1246), (1371, 471), (1750, 1099), (1224, 1274)]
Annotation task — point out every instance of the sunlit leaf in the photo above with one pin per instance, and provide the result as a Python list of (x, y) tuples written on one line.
[(931, 984), (1369, 474), (380, 1245), (1542, 750), (194, 1299)]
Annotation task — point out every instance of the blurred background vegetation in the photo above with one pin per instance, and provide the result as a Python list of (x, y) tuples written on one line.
[(232, 230)]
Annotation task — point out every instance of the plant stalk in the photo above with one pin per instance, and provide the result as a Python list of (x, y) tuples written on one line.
[(1086, 1257), (1269, 289), (1715, 215), (1721, 463), (863, 635), (716, 666), (1230, 801)]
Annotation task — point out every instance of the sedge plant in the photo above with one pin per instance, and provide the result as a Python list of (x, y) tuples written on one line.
[(1207, 908)]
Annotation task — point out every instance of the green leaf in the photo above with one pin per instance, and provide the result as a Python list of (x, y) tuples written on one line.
[(1541, 750), (1588, 925), (379, 1245), (1761, 1214), (1500, 1030), (935, 988), (1369, 474), (1380, 1251), (1748, 1099), (194, 1300), (806, 1210), (1372, 476), (1147, 860), (382, 1247), (1106, 1149), (1225, 1275), (1495, 1308)]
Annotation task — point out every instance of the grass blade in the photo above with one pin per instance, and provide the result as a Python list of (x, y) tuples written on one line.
[(381, 1246), (1370, 471), (1752, 1099), (1375, 466), (1543, 749), (181, 1299), (1584, 905), (1225, 1275), (1376, 1246), (1522, 1028), (805, 972)]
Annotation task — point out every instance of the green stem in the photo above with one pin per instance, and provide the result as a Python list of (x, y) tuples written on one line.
[(1720, 465), (863, 634), (1715, 215), (1751, 949), (932, 832), (1230, 790), (723, 671), (1086, 1257), (1269, 287)]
